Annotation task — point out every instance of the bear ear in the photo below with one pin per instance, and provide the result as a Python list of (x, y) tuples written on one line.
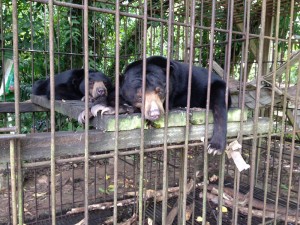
[(172, 69)]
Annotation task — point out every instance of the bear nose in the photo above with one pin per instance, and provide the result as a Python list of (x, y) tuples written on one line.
[(154, 112), (101, 91)]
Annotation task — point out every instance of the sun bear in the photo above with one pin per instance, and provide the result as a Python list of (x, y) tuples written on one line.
[(155, 94), (69, 85)]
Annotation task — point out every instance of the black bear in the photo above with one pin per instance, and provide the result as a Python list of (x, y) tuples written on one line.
[(69, 85), (155, 94)]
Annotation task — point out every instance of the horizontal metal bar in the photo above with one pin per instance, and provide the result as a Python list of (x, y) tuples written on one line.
[(11, 136), (7, 129), (77, 6)]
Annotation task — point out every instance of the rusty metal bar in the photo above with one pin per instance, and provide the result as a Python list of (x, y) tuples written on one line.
[(184, 167), (256, 110), (295, 114), (186, 57), (72, 5), (243, 79), (16, 66), (71, 41), (86, 108), (287, 73), (13, 182), (225, 42), (17, 105), (210, 63), (11, 136), (298, 200), (162, 29), (2, 47), (186, 30), (142, 146), (166, 120), (269, 141), (293, 142), (227, 73), (7, 129), (243, 74), (201, 33), (117, 84), (52, 110)]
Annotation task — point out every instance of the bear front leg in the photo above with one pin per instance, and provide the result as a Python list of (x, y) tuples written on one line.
[(217, 142)]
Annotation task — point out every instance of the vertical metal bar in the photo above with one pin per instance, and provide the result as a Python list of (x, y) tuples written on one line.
[(52, 110), (205, 166), (94, 36), (141, 178), (117, 84), (256, 110), (86, 108), (269, 141), (187, 127), (13, 182), (287, 73), (156, 180), (61, 190), (186, 30), (8, 193), (16, 66), (31, 46), (165, 147), (162, 28), (151, 30), (73, 186), (35, 196), (2, 47), (298, 201), (201, 33), (244, 72), (227, 72), (293, 142), (17, 104), (295, 119), (58, 43), (71, 38)]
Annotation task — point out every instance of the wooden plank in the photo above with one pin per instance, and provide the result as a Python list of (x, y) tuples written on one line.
[(70, 108), (9, 107), (176, 118), (37, 146)]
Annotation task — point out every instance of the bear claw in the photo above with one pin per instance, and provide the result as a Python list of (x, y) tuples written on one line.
[(104, 110)]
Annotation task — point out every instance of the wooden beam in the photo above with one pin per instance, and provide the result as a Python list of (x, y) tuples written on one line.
[(71, 108), (177, 117), (37, 146), (9, 107)]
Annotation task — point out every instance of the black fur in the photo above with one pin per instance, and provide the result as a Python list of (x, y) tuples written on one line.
[(156, 84), (69, 85)]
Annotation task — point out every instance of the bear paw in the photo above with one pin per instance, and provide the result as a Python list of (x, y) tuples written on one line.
[(104, 110), (216, 147)]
